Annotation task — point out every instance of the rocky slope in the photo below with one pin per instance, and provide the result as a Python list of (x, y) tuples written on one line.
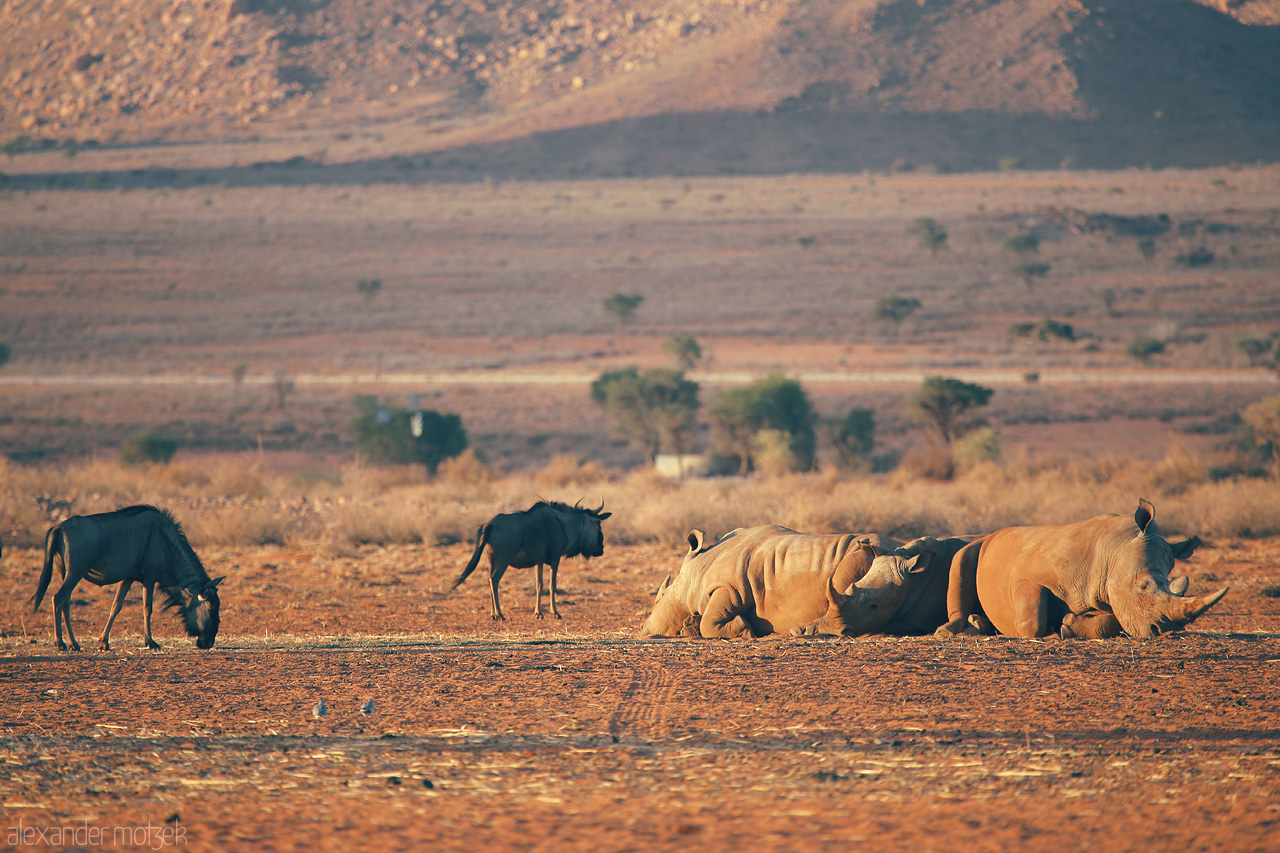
[(1178, 73)]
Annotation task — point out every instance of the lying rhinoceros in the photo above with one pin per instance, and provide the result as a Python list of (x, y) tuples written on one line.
[(757, 581), (1091, 579), (903, 593)]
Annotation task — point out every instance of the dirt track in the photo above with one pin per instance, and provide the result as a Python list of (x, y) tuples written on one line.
[(570, 734)]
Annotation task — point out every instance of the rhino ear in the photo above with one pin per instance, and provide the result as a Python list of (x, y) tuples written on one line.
[(1178, 586), (666, 582), (1184, 550), (696, 538), (1145, 514), (919, 563)]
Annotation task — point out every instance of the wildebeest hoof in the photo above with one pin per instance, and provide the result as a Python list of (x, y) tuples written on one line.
[(537, 614), (104, 645), (75, 647), (62, 647), (498, 617), (152, 644)]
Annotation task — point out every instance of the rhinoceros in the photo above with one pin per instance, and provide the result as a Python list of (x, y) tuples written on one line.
[(758, 581), (1092, 579), (903, 593)]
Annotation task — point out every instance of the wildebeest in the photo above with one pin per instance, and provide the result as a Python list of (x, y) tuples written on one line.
[(757, 581), (542, 534), (1095, 578), (137, 543)]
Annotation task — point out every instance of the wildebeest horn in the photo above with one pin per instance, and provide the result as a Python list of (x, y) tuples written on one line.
[(217, 580)]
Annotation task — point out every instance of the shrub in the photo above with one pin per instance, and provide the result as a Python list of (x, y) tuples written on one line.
[(774, 402), (980, 445), (684, 349), (389, 435), (1199, 257), (1030, 271), (369, 287), (1010, 164), (1144, 348), (943, 403), (1147, 246), (931, 233), (146, 447), (652, 408), (1046, 329), (622, 306), (5, 354), (1263, 417), (1022, 243), (895, 309), (773, 454), (854, 438), (1255, 349)]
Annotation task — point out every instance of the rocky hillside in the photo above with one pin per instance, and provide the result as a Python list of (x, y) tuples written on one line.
[(1173, 77)]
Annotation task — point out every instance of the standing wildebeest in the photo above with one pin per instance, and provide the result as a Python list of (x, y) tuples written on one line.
[(137, 543), (543, 533)]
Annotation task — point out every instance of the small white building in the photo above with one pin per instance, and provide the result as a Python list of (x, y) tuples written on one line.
[(681, 466)]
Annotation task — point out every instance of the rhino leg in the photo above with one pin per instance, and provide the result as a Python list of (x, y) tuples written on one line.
[(1092, 625), (722, 616), (962, 590), (1030, 605)]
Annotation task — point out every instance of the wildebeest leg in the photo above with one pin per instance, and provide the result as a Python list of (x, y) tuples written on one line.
[(722, 617), (496, 571), (555, 568), (148, 596), (962, 590), (1091, 625), (116, 607), (62, 609), (537, 595)]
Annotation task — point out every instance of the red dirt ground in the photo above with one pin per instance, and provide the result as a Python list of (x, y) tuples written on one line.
[(572, 735)]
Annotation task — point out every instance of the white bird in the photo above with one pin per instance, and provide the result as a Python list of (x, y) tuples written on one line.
[(367, 707), (320, 709)]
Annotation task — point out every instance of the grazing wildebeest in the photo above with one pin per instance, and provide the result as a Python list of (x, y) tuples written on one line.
[(543, 533), (137, 543)]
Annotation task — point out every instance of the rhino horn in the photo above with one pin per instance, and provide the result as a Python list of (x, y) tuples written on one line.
[(1198, 605), (1178, 586), (834, 597), (696, 538), (666, 582)]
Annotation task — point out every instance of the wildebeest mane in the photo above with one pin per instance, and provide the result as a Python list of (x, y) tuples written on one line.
[(176, 538)]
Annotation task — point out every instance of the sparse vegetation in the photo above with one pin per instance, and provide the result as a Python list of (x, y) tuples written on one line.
[(1010, 164), (1263, 417), (854, 438), (974, 448), (1255, 349), (369, 287), (5, 354), (1144, 348), (282, 384), (944, 404), (931, 233), (1046, 329), (1108, 297), (1147, 247), (15, 145), (147, 447)]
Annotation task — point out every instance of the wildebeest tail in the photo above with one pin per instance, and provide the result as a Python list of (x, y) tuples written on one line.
[(482, 539), (53, 542)]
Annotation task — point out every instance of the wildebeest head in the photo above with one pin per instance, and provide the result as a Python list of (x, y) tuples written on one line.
[(199, 612), (1137, 581), (589, 539)]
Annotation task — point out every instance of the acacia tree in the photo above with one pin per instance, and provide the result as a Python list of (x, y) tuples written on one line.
[(684, 349), (622, 306), (895, 309), (854, 437), (931, 233), (654, 408), (772, 403), (944, 404), (390, 435)]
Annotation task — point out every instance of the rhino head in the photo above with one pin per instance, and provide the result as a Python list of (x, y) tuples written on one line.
[(872, 601), (670, 616), (1137, 583)]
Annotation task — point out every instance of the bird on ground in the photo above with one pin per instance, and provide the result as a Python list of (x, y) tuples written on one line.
[(367, 707), (320, 709)]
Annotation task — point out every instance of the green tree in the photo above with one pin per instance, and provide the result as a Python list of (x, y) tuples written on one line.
[(144, 446), (653, 409), (895, 309), (684, 349), (944, 404), (1263, 417), (5, 354), (1147, 246), (369, 287), (854, 438), (1144, 348), (931, 233), (1021, 244), (772, 403), (389, 435), (623, 306)]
